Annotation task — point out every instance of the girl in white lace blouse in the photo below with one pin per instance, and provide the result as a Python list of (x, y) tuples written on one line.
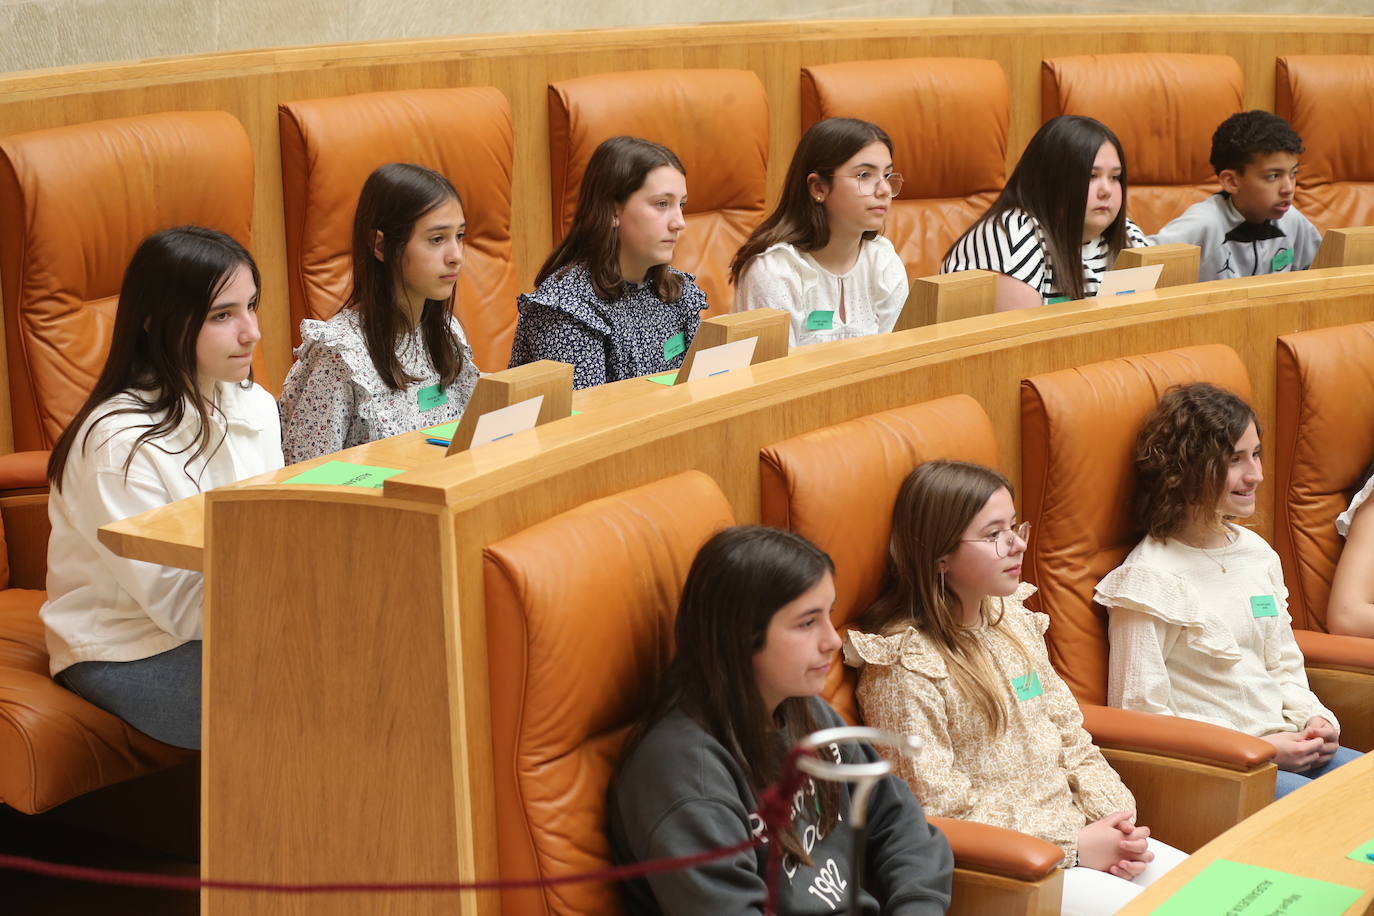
[(819, 256), (1351, 607), (1198, 613), (950, 653), (394, 358)]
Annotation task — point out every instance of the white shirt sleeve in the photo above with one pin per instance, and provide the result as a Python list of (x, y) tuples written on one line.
[(889, 308)]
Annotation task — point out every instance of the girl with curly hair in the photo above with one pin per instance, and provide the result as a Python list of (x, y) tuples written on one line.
[(1199, 623)]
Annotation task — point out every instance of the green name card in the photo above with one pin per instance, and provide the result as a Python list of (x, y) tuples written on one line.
[(1364, 854), (666, 378), (431, 396), (1027, 686), (442, 431), (1263, 606), (674, 347), (345, 474), (1236, 889), (1281, 260), (820, 321), (1055, 300)]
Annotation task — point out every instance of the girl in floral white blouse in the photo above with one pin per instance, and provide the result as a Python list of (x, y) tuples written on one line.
[(394, 358), (950, 653)]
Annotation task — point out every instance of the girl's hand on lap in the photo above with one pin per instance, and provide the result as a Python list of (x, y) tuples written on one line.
[(1115, 845), (1329, 735), (1296, 751)]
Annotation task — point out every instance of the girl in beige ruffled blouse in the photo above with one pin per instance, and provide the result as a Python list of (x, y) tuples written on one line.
[(952, 655)]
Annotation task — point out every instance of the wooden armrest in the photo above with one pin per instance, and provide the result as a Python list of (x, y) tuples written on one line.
[(998, 851), (1325, 650), (24, 470), (1170, 736)]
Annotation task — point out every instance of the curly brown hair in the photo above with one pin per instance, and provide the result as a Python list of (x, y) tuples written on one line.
[(1182, 455)]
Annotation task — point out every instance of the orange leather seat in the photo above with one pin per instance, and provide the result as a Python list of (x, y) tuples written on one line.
[(330, 146), (74, 204), (1329, 100), (1163, 107), (716, 121), (580, 611), (947, 117)]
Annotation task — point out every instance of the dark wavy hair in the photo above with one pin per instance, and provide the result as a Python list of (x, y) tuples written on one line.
[(740, 578), (394, 198), (1182, 454), (168, 286), (617, 169), (1247, 134), (798, 219), (1050, 182)]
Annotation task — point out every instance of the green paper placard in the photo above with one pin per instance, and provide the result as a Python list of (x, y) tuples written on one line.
[(1234, 889), (1364, 854), (1027, 686), (1263, 606), (1056, 300), (431, 396), (345, 474), (442, 431), (820, 320), (674, 347), (1281, 260), (667, 378)]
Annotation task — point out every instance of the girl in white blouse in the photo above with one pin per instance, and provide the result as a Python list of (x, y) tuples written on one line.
[(1199, 623), (819, 256), (1060, 222), (174, 413), (950, 653), (1351, 607), (394, 358)]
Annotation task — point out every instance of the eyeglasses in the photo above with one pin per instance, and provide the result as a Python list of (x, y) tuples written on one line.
[(1002, 541), (868, 182)]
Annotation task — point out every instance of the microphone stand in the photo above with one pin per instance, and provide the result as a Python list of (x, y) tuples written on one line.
[(863, 776)]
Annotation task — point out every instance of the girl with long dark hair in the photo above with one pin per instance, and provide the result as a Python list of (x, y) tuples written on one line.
[(174, 413), (1060, 222), (606, 300), (819, 255), (394, 358), (754, 643)]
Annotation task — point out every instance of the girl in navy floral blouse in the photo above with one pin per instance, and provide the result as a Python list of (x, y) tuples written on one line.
[(606, 300)]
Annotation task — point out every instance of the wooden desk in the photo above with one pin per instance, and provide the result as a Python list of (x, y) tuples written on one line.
[(1307, 833)]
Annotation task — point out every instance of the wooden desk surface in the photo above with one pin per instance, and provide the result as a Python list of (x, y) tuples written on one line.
[(1307, 833)]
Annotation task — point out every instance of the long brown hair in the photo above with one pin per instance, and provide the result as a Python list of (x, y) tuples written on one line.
[(935, 505), (1050, 182), (394, 198), (740, 578), (168, 286), (797, 219), (617, 169), (1182, 455)]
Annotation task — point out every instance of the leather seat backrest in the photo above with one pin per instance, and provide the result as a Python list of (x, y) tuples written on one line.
[(330, 146), (1078, 435), (837, 487), (580, 611), (716, 121), (74, 204), (1163, 107), (947, 117), (1323, 440), (1329, 101)]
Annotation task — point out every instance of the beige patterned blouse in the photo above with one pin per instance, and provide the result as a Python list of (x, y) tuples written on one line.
[(1042, 776)]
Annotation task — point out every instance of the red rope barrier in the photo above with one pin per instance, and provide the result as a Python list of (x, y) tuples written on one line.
[(775, 810)]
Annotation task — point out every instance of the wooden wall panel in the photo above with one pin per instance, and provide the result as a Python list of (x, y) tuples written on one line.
[(251, 84)]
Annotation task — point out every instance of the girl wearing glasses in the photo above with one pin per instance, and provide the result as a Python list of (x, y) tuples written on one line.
[(819, 255), (1199, 623), (1060, 222), (950, 653)]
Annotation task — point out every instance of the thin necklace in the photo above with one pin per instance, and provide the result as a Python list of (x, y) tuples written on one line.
[(1220, 561)]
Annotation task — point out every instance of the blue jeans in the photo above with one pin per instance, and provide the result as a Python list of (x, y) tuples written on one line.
[(1289, 782), (158, 695)]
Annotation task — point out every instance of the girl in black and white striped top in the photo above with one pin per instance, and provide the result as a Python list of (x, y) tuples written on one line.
[(1059, 223)]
